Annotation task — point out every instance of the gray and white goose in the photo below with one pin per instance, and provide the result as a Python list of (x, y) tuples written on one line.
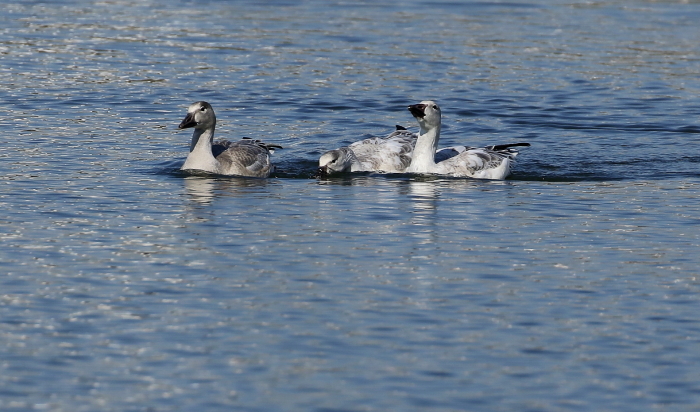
[(246, 157), (390, 154), (490, 162)]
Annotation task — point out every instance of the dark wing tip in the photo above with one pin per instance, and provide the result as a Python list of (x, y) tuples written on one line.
[(260, 143), (507, 146)]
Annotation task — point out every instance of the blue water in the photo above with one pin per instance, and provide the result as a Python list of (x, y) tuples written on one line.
[(129, 286)]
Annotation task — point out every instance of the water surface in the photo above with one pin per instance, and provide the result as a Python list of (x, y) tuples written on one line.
[(129, 286)]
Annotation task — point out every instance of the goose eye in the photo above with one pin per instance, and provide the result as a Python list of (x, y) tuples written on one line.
[(204, 109)]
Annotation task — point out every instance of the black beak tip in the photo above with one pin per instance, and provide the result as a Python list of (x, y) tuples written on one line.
[(188, 121), (417, 110), (322, 171), (187, 124)]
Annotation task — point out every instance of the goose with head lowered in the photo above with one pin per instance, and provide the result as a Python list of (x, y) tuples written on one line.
[(490, 162), (246, 157), (390, 154)]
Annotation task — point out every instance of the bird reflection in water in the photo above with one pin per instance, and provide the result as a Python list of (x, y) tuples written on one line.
[(204, 189)]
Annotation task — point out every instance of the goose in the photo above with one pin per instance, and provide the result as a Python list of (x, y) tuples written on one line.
[(246, 157), (490, 162), (390, 154)]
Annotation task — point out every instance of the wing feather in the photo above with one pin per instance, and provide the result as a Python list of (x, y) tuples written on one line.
[(492, 162), (247, 157), (390, 154)]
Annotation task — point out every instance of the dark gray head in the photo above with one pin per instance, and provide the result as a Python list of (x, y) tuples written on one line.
[(200, 115)]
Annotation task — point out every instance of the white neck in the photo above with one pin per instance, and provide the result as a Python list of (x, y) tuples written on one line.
[(201, 157), (423, 159)]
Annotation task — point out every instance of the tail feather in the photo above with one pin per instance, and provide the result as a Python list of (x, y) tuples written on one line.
[(500, 147)]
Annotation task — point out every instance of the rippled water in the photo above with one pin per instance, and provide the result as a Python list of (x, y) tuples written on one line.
[(128, 286)]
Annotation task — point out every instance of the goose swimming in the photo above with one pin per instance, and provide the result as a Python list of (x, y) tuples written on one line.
[(491, 162), (246, 157), (390, 154)]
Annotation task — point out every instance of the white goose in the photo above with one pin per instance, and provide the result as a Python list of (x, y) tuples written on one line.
[(390, 154), (491, 162), (246, 157)]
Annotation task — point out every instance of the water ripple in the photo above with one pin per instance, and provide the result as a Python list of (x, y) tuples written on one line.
[(130, 285)]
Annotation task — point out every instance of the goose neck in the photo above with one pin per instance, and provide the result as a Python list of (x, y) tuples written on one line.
[(424, 152), (201, 156), (202, 139)]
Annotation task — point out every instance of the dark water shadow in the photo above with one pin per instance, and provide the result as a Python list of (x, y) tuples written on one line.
[(593, 170), (552, 169)]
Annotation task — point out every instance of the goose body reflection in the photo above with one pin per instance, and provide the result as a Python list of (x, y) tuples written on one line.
[(246, 157), (491, 162)]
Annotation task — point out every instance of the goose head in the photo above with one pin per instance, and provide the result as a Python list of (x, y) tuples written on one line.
[(200, 115), (427, 113), (335, 161)]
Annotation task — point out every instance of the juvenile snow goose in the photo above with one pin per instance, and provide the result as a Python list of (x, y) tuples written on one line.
[(390, 154), (491, 162), (246, 157)]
